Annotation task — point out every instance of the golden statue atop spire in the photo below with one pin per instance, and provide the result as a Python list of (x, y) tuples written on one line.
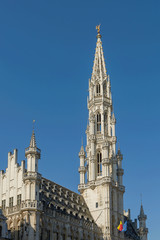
[(98, 28), (98, 31)]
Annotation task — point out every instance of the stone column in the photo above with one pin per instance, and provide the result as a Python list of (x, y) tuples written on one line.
[(105, 160), (114, 172), (109, 121), (102, 124)]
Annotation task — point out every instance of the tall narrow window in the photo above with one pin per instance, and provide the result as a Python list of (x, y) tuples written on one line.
[(99, 164), (99, 122), (3, 204), (19, 199), (11, 202), (98, 89), (105, 123)]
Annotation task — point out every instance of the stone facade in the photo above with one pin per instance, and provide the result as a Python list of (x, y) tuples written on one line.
[(39, 209), (103, 191)]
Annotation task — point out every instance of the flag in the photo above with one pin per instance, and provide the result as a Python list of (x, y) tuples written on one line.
[(120, 227), (124, 227)]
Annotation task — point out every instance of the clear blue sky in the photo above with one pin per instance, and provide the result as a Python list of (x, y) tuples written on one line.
[(46, 57)]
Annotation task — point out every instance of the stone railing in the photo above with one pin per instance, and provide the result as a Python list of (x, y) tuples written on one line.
[(31, 175), (24, 205), (92, 184), (33, 149), (31, 204), (13, 209)]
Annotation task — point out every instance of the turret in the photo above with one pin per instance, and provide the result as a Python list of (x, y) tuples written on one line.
[(120, 171), (143, 231), (33, 154), (32, 177), (82, 169)]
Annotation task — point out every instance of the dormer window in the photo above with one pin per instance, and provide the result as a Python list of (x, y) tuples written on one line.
[(98, 123), (98, 89), (99, 164)]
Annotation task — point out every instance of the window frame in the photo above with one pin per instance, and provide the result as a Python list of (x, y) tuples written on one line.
[(99, 164)]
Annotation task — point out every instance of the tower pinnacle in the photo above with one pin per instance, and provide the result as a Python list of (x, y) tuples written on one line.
[(33, 140), (143, 231), (142, 211), (33, 154), (99, 68), (98, 31)]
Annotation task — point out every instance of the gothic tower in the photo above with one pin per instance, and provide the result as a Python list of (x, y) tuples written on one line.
[(32, 180), (100, 169), (32, 153), (143, 231)]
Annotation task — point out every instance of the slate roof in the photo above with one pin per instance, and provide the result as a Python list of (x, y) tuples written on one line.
[(131, 232), (64, 200)]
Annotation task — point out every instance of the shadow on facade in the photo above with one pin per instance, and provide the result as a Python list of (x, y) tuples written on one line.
[(49, 233)]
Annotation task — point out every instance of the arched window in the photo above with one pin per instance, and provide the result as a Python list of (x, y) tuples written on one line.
[(99, 164), (98, 89), (98, 122)]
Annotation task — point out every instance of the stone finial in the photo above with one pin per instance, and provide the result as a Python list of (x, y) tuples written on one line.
[(32, 146), (33, 140), (113, 118), (142, 215), (82, 152), (141, 211)]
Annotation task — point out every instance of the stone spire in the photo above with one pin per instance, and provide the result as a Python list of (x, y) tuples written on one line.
[(33, 154), (82, 151), (99, 68), (143, 231), (33, 140), (82, 168), (141, 211)]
